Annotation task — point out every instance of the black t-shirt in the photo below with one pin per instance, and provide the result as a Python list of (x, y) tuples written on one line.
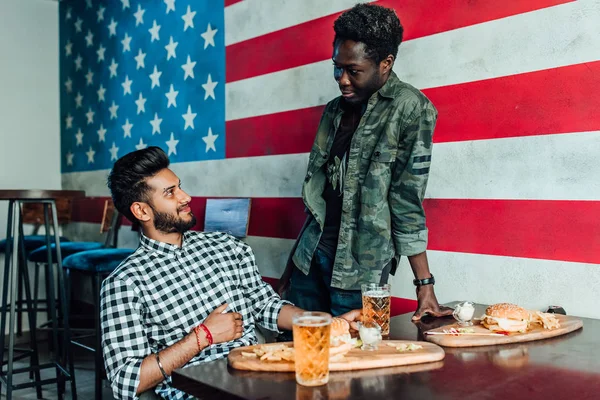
[(335, 170)]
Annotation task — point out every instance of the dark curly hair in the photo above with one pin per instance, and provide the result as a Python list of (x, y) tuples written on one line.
[(377, 27), (127, 179)]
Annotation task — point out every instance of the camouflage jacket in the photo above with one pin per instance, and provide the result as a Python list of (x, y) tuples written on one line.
[(388, 167)]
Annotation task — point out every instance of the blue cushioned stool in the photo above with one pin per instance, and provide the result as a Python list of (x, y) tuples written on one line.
[(66, 249), (100, 261), (31, 242)]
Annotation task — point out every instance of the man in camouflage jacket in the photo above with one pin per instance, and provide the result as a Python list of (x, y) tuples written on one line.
[(367, 175)]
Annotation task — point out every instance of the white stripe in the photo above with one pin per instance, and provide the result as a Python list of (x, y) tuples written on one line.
[(548, 38), (271, 254), (531, 283), (92, 182), (269, 176), (90, 232), (549, 167), (252, 18), (306, 86)]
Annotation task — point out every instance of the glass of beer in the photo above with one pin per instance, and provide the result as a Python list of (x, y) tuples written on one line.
[(376, 305), (311, 344)]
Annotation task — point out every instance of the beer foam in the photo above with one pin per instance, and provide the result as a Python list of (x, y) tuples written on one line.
[(311, 321), (377, 293)]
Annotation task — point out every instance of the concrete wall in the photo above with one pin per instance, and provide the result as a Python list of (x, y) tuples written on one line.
[(29, 113)]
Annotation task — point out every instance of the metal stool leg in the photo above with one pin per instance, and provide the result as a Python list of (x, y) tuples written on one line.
[(67, 356), (34, 360), (13, 282), (68, 321), (8, 257), (36, 287), (47, 277), (20, 298), (51, 296)]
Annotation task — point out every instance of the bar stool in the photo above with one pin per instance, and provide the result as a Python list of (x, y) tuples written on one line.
[(97, 264), (33, 214), (39, 257), (62, 363)]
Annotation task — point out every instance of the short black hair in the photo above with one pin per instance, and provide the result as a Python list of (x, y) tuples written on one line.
[(127, 179), (377, 27)]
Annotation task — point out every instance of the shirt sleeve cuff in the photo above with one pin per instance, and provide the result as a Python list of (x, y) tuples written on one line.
[(270, 314), (127, 380), (410, 244)]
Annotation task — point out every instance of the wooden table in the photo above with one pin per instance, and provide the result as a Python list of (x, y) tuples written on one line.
[(15, 256), (566, 367)]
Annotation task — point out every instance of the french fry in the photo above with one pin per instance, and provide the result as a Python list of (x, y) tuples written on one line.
[(271, 352)]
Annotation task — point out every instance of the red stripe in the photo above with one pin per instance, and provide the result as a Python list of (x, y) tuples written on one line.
[(428, 17), (281, 217), (281, 133), (88, 209), (558, 100), (544, 229), (401, 305), (311, 41), (231, 2), (269, 217), (511, 106), (398, 305), (278, 217)]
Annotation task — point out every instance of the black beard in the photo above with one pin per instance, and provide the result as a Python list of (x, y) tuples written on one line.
[(167, 223)]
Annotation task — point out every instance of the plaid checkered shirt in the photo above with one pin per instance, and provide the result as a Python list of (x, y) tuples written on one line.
[(158, 294)]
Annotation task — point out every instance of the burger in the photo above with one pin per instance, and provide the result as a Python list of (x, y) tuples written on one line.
[(506, 317), (340, 340)]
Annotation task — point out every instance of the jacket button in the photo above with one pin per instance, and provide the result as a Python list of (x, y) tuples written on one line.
[(377, 154), (307, 178), (325, 155)]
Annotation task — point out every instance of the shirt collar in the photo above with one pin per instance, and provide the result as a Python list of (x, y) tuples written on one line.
[(389, 88), (162, 247)]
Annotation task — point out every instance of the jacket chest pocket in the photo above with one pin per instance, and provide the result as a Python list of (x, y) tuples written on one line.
[(377, 175)]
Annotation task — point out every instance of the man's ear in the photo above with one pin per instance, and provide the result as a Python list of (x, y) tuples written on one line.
[(141, 211), (386, 65)]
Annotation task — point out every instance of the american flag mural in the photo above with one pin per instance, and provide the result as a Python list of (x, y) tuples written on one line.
[(513, 200)]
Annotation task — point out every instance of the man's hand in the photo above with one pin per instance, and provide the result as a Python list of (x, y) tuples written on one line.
[(428, 304), (352, 317), (224, 327)]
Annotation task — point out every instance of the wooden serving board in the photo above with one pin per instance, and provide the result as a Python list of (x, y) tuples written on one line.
[(356, 359), (567, 324)]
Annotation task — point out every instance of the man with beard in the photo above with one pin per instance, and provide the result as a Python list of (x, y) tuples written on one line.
[(367, 174), (183, 297)]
